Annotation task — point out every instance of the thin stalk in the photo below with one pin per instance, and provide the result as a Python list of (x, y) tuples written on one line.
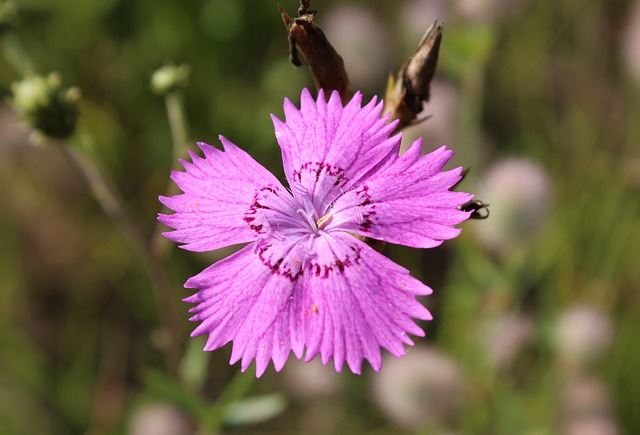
[(235, 390), (16, 56), (113, 207), (174, 103)]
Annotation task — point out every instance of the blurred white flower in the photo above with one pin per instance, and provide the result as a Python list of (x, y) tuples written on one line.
[(631, 42), (591, 425), (311, 379), (486, 11), (423, 388), (518, 191), (159, 419), (582, 334), (363, 42), (505, 337), (585, 395)]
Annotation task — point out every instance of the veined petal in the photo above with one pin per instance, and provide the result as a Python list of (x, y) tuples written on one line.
[(326, 147), (218, 191), (354, 310), (346, 303), (240, 299), (407, 201)]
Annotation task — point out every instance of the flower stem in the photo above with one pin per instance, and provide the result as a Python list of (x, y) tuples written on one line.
[(113, 207), (235, 390), (174, 102), (16, 56)]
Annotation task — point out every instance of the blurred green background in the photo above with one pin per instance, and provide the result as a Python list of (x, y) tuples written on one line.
[(536, 309)]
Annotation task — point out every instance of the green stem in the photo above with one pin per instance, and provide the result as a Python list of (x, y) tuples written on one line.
[(17, 56), (174, 103), (234, 391), (113, 207)]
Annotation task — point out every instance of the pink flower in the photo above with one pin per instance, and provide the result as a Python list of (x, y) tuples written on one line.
[(304, 280)]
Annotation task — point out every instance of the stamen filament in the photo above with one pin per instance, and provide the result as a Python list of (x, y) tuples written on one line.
[(307, 216)]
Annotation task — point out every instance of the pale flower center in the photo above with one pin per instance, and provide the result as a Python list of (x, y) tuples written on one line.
[(309, 215)]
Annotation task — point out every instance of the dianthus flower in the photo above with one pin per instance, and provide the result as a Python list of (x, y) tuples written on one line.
[(306, 280)]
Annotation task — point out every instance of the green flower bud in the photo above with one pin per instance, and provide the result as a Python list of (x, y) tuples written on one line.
[(45, 106), (170, 78), (30, 93)]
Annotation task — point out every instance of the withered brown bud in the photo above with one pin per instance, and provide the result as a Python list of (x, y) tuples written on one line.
[(410, 89), (307, 38)]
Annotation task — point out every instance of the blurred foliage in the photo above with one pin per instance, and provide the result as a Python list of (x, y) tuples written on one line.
[(80, 334)]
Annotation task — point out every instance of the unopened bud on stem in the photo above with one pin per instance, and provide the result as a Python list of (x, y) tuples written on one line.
[(45, 106), (170, 78)]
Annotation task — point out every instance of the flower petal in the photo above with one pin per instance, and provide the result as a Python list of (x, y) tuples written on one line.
[(240, 299), (354, 310), (326, 147), (218, 191), (406, 201), (305, 283), (346, 303)]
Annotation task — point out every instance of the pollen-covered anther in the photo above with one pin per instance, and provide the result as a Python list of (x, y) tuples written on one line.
[(324, 220)]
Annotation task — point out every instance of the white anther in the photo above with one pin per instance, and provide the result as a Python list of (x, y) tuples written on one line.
[(323, 220)]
